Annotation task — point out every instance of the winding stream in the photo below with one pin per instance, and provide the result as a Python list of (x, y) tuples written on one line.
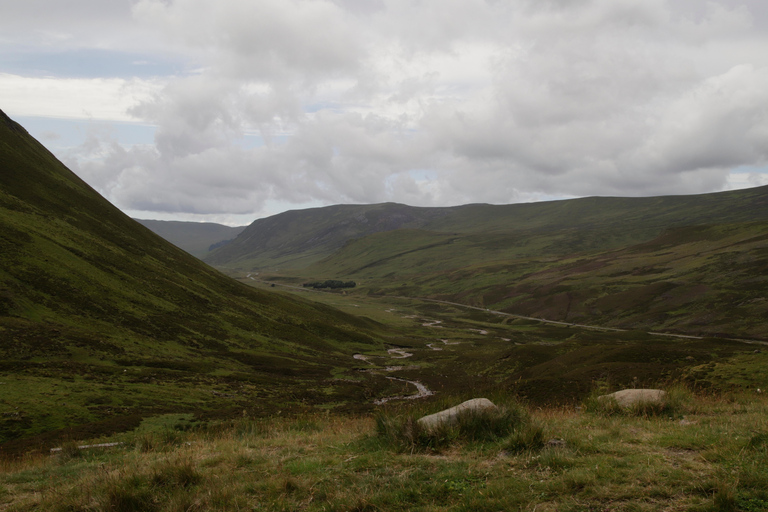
[(421, 390)]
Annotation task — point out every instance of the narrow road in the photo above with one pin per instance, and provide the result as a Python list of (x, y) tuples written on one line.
[(568, 324), (552, 322)]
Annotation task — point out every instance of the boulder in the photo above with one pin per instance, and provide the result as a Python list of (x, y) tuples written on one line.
[(451, 416), (630, 397)]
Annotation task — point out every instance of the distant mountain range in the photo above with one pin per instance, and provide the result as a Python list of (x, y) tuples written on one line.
[(695, 263), (197, 238), (296, 239)]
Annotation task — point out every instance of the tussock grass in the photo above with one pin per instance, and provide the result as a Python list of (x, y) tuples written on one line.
[(714, 461)]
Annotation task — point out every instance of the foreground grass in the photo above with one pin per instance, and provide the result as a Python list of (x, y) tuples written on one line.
[(710, 456)]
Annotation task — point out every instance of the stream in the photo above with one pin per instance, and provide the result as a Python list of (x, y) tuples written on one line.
[(421, 390)]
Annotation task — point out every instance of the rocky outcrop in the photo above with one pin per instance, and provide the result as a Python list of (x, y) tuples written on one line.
[(451, 416), (631, 397)]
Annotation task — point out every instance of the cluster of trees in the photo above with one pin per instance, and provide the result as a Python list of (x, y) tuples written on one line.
[(330, 283)]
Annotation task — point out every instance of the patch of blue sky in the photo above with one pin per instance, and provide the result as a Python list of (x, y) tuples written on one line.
[(423, 174), (89, 63), (254, 140), (56, 133), (747, 176), (748, 169), (312, 108)]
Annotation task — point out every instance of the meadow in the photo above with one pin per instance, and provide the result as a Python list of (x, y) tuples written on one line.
[(708, 453)]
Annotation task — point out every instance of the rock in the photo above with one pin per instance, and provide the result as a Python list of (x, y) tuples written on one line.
[(451, 416), (630, 397)]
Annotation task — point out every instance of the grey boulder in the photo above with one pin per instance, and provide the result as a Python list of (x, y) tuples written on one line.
[(451, 416), (630, 397)]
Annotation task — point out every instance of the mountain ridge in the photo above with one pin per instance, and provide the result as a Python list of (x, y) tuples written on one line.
[(299, 238)]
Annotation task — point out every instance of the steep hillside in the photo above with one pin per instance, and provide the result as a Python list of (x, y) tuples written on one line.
[(102, 322), (196, 238)]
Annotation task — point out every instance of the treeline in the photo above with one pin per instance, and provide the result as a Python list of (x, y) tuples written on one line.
[(330, 283)]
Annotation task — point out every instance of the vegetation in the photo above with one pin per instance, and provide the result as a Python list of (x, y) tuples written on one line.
[(333, 284), (714, 459), (103, 323), (683, 264), (213, 395)]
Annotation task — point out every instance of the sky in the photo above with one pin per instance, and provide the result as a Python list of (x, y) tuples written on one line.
[(231, 110)]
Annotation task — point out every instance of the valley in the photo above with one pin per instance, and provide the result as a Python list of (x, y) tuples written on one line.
[(112, 336)]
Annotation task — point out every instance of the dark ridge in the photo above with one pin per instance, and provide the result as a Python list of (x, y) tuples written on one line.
[(11, 124)]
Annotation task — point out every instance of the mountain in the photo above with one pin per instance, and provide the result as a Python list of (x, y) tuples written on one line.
[(197, 238), (103, 323), (690, 264), (296, 239)]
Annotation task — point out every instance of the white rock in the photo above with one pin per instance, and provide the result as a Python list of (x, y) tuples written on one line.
[(451, 416), (630, 397)]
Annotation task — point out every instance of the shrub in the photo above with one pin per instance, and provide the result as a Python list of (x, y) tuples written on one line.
[(70, 450), (126, 494), (528, 437), (178, 474)]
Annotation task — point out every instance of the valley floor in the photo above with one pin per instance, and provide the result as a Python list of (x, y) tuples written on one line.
[(709, 455)]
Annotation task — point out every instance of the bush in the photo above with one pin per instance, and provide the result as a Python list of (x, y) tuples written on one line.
[(529, 437), (333, 284), (70, 450), (178, 474)]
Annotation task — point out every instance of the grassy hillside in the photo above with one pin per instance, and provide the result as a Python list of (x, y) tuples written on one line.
[(102, 322), (194, 237), (705, 279), (686, 264), (293, 240)]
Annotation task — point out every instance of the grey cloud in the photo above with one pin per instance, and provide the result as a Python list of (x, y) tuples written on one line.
[(606, 97), (261, 39)]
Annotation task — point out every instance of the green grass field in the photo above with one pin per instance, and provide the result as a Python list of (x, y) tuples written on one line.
[(709, 456)]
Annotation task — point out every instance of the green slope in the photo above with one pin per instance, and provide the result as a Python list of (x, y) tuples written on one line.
[(124, 324), (689, 264), (297, 239), (708, 279), (194, 237)]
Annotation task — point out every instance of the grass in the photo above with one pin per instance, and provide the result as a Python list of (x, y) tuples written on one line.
[(404, 433), (676, 401), (109, 334), (103, 323), (327, 462), (704, 279)]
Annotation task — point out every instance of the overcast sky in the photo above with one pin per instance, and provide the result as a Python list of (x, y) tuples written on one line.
[(230, 110)]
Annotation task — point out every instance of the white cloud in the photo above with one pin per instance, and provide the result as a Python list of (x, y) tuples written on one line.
[(430, 103), (97, 98)]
